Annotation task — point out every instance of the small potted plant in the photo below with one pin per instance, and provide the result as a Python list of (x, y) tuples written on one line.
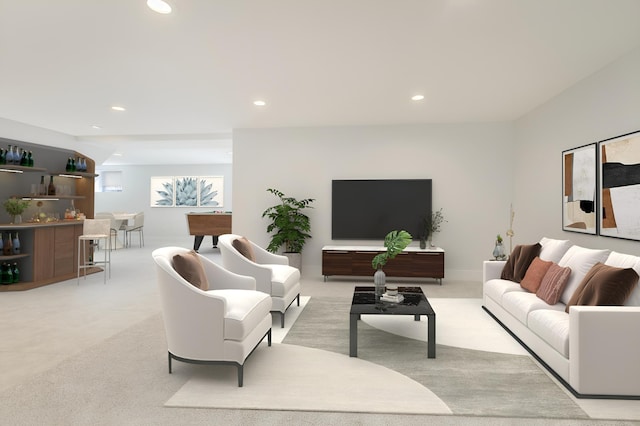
[(498, 250), (395, 242), (432, 224), (15, 207)]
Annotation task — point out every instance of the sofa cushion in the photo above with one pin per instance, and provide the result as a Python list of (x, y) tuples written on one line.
[(552, 326), (244, 310), (283, 278), (535, 273), (520, 304), (496, 288), (580, 260), (604, 286), (553, 250), (189, 266), (244, 248), (621, 260), (519, 261), (553, 283)]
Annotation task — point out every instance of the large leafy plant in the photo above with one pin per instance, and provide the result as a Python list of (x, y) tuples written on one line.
[(290, 224), (395, 242)]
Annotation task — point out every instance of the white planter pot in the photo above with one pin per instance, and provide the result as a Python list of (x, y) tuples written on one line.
[(295, 260)]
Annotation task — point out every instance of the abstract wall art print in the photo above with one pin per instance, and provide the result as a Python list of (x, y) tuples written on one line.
[(579, 200), (619, 187)]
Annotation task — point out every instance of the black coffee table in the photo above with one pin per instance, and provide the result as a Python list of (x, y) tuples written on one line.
[(415, 303)]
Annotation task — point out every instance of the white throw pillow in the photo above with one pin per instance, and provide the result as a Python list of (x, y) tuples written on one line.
[(621, 260), (580, 260), (553, 250)]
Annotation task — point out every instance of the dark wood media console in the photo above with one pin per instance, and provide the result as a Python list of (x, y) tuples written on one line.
[(356, 261)]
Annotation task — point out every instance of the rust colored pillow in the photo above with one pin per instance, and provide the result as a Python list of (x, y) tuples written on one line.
[(604, 285), (553, 283), (244, 247), (519, 261), (189, 266), (536, 272)]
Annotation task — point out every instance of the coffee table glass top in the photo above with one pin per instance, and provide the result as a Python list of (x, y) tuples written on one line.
[(414, 303)]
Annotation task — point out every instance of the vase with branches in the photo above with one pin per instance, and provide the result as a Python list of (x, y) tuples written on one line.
[(432, 224)]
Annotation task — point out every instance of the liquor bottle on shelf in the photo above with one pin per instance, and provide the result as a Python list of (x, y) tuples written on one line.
[(51, 190), (43, 188), (16, 244), (68, 167), (16, 273), (3, 159), (23, 161), (30, 159), (3, 274), (7, 246), (9, 155), (9, 274)]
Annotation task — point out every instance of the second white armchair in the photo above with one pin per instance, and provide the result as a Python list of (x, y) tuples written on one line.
[(272, 272)]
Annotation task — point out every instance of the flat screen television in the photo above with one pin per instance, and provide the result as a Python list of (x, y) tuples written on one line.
[(368, 209)]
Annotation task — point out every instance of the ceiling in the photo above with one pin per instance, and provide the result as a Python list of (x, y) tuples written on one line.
[(188, 78)]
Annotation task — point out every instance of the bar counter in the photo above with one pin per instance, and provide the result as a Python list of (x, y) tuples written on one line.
[(48, 252)]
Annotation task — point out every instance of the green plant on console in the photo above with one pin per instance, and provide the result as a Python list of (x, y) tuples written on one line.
[(290, 224), (395, 242)]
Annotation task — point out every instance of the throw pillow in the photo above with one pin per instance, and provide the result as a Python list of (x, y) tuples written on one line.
[(553, 283), (580, 260), (535, 273), (244, 247), (553, 250), (604, 286), (519, 261), (189, 266)]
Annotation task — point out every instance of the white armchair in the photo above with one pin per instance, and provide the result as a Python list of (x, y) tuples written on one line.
[(272, 272), (221, 325)]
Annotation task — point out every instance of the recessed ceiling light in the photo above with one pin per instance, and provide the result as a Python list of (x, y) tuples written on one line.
[(417, 97), (96, 127), (159, 6), (118, 108), (259, 103)]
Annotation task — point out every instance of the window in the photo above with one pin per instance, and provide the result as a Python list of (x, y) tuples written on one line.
[(109, 181)]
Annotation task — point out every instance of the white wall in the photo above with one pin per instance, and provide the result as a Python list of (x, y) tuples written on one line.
[(160, 221), (470, 165), (602, 106)]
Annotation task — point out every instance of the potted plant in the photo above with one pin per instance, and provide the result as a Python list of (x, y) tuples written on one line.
[(432, 224), (15, 207), (395, 242), (290, 226)]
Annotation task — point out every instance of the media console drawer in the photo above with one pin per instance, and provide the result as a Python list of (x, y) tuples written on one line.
[(356, 261)]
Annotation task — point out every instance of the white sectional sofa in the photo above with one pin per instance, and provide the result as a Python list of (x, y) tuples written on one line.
[(593, 350)]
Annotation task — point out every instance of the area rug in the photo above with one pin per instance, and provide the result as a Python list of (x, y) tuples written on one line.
[(311, 370), (469, 382)]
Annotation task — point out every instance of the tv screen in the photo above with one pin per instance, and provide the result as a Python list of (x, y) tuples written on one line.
[(369, 209)]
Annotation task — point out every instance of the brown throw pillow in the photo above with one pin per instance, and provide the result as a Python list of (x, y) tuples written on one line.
[(604, 285), (519, 261), (553, 283), (189, 266), (535, 274), (244, 247)]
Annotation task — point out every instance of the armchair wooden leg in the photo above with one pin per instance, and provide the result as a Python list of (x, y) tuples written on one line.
[(269, 338), (281, 319), (240, 374), (169, 356), (298, 299)]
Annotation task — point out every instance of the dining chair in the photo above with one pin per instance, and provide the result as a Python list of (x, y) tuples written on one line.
[(138, 226), (113, 227)]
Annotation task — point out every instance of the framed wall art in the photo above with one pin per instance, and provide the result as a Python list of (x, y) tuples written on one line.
[(187, 191), (619, 186), (579, 199)]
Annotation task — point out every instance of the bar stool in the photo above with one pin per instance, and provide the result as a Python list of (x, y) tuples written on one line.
[(94, 230)]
